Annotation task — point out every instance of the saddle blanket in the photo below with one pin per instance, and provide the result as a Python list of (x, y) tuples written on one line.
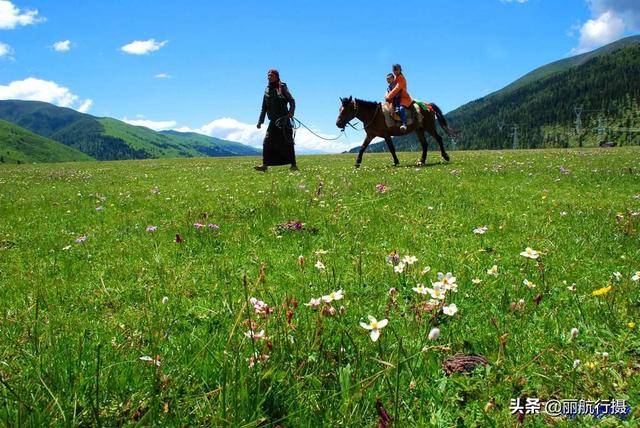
[(414, 114)]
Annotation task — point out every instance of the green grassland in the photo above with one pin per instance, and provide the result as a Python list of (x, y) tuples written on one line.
[(77, 317)]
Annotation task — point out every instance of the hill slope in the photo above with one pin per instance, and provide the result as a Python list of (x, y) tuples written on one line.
[(569, 63), (541, 104), (212, 146), (606, 86), (111, 139), (18, 145)]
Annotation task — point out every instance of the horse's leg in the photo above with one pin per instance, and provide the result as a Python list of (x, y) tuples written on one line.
[(423, 143), (434, 133), (392, 149), (363, 147)]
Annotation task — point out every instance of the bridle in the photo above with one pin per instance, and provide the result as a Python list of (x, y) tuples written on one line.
[(355, 113)]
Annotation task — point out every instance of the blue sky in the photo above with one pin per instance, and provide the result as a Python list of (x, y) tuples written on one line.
[(201, 65)]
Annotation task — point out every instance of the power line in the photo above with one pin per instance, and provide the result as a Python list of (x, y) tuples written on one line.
[(624, 129)]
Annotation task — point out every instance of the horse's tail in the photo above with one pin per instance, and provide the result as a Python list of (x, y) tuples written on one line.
[(443, 121)]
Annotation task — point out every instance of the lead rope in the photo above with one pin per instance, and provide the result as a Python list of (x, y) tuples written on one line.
[(297, 124)]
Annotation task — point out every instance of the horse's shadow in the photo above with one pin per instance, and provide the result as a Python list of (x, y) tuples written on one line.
[(409, 166), (427, 165)]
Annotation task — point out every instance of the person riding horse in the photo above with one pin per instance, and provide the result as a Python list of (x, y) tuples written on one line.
[(372, 116), (399, 96)]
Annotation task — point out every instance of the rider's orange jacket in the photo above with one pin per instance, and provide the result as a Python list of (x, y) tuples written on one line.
[(401, 88)]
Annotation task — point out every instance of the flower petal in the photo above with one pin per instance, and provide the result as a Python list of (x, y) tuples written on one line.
[(375, 334)]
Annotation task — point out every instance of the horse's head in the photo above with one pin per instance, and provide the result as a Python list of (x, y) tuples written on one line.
[(347, 112)]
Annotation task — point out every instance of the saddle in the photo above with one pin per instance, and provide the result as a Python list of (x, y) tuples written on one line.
[(414, 115)]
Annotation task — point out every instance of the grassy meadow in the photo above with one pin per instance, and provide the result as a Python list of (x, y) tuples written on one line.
[(126, 290)]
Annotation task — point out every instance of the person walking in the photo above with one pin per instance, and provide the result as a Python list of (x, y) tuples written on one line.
[(279, 106)]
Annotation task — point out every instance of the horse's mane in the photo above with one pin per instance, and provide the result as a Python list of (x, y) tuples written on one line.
[(366, 103)]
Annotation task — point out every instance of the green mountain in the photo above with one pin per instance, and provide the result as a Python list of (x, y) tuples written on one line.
[(18, 145), (602, 85), (212, 146), (569, 63), (111, 139)]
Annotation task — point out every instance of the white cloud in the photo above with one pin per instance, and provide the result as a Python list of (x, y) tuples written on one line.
[(597, 32), (62, 46), (162, 76), (159, 125), (5, 50), (307, 141), (33, 89), (11, 16), (513, 1), (85, 106), (143, 47), (627, 10), (573, 30), (233, 130), (611, 20)]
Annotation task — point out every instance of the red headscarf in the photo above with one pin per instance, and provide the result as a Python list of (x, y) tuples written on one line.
[(276, 72), (277, 83)]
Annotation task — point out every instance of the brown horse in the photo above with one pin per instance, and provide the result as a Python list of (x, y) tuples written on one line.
[(372, 117)]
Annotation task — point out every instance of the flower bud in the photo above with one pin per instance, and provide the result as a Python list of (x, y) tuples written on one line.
[(434, 334)]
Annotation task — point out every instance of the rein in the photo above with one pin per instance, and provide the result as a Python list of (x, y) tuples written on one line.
[(297, 124), (364, 126)]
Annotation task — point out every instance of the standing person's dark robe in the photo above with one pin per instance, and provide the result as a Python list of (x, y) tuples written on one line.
[(279, 106)]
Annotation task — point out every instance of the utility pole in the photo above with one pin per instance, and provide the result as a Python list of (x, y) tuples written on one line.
[(500, 124), (578, 122), (600, 129), (514, 134)]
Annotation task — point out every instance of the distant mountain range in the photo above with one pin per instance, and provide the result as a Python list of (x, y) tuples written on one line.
[(541, 106), (99, 138)]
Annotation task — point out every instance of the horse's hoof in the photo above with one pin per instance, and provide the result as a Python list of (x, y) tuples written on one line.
[(445, 157), (396, 164), (357, 166)]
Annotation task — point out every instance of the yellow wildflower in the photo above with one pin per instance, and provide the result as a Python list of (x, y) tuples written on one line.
[(601, 291)]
